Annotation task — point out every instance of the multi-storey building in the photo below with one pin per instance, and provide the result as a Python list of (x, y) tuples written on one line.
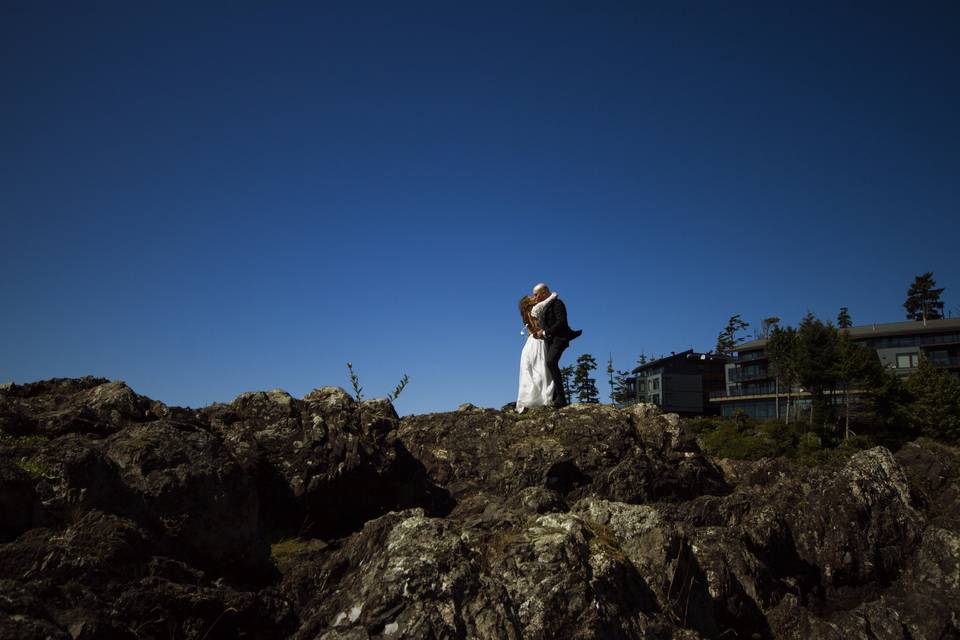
[(752, 388), (681, 382)]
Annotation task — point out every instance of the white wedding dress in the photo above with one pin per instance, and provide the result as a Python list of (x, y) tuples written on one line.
[(536, 385)]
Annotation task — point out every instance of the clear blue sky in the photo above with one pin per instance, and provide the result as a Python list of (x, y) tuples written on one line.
[(205, 200)]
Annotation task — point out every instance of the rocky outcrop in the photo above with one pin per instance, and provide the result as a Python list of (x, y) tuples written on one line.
[(72, 405), (629, 455), (320, 517), (324, 464)]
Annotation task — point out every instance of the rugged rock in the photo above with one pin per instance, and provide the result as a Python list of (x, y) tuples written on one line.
[(66, 405), (121, 517), (628, 455), (19, 503), (324, 464), (191, 491), (933, 471), (100, 578), (409, 576)]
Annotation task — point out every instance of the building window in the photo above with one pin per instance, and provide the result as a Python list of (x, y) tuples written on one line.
[(655, 384), (907, 360)]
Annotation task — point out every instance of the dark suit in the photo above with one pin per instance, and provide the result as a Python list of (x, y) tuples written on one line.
[(558, 336)]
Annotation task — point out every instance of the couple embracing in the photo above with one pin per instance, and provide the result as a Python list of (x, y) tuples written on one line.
[(545, 318)]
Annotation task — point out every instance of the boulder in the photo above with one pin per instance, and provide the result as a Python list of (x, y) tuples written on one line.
[(627, 455), (63, 405), (933, 472), (194, 494), (324, 464), (101, 578), (407, 575)]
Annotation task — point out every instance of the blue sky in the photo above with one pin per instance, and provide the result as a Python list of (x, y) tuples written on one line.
[(208, 200)]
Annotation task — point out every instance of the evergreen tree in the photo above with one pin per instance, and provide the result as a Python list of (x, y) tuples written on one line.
[(642, 359), (566, 376), (856, 365), (610, 372), (781, 350), (843, 318), (767, 325), (816, 359), (583, 385), (890, 402), (623, 392), (935, 409), (923, 299), (727, 341)]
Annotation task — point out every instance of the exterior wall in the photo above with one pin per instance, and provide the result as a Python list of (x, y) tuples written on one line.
[(728, 369), (681, 383), (650, 389), (893, 357), (683, 393), (763, 409)]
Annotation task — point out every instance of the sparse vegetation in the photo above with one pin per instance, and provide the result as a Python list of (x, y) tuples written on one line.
[(7, 440), (37, 468), (358, 390), (744, 438)]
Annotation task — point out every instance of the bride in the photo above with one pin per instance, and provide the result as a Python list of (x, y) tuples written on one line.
[(536, 385)]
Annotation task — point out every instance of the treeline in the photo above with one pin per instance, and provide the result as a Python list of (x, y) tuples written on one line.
[(850, 401), (844, 380), (579, 385)]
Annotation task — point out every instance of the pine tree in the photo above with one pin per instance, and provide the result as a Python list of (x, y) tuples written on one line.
[(843, 318), (767, 325), (935, 409), (642, 359), (623, 392), (566, 375), (781, 349), (610, 372), (816, 360), (727, 341), (583, 385), (923, 299), (856, 365)]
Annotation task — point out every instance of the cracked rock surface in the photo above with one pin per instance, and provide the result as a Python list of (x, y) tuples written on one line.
[(322, 518)]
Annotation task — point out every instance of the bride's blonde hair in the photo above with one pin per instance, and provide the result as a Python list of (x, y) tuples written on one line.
[(526, 304)]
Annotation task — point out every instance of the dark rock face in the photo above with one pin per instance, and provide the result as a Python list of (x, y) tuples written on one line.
[(67, 405), (18, 500), (629, 455), (121, 517), (324, 464), (188, 488)]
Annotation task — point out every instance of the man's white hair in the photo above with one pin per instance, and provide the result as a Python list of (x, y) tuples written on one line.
[(540, 285)]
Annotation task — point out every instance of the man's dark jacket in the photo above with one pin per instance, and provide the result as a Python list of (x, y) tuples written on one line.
[(554, 322)]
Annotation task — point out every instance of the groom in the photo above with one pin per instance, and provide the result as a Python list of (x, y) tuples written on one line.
[(557, 334)]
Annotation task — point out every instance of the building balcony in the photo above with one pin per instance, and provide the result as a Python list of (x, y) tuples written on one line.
[(772, 392), (738, 375), (946, 361)]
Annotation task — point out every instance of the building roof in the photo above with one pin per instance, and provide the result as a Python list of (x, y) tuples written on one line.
[(689, 353), (881, 329)]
